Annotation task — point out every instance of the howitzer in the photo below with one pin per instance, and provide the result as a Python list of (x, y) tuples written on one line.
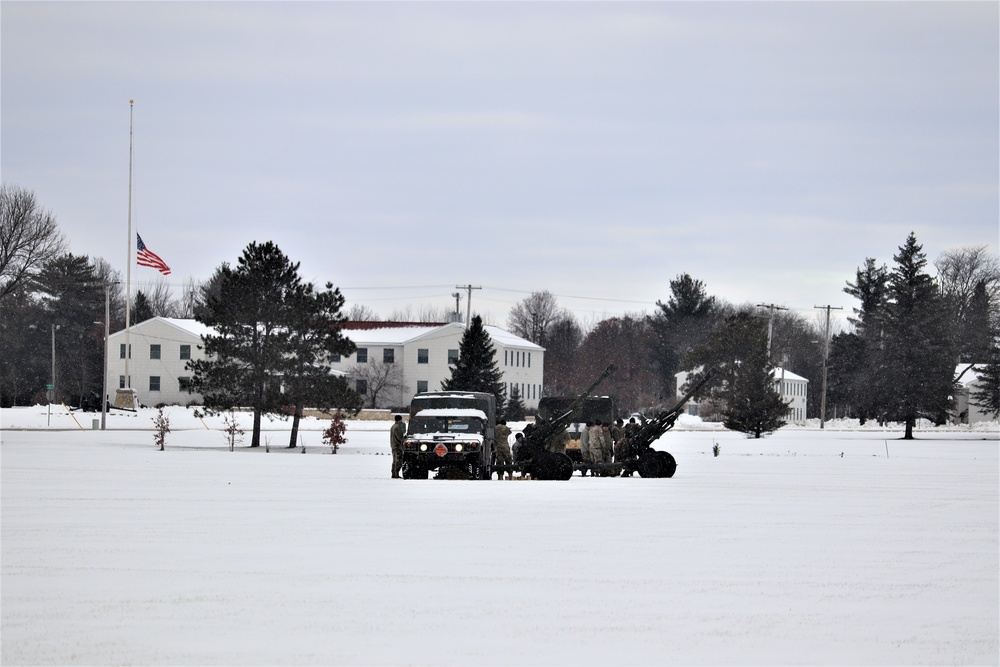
[(639, 454), (533, 456)]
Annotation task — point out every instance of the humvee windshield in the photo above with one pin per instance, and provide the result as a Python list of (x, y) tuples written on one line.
[(421, 424)]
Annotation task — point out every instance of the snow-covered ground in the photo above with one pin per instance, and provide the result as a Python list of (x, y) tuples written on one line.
[(842, 546)]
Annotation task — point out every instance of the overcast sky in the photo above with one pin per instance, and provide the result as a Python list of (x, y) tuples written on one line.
[(595, 150)]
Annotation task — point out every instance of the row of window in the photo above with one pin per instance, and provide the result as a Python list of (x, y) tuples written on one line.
[(793, 388), (516, 358), (154, 383), (156, 351), (389, 356), (525, 391)]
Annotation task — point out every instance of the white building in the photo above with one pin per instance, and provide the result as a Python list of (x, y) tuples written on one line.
[(424, 353), (420, 353), (966, 411), (161, 348), (793, 389)]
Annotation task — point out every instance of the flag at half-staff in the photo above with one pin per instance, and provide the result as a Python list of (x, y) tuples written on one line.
[(146, 257)]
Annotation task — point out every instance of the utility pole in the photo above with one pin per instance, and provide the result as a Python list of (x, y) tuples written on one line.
[(468, 303), (826, 358), (770, 323)]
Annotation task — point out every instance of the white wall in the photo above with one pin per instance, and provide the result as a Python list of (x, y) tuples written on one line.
[(169, 368)]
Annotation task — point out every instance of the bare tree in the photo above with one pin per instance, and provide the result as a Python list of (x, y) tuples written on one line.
[(362, 313), (533, 317), (161, 300), (379, 378), (425, 313), (961, 269), (189, 297), (29, 237)]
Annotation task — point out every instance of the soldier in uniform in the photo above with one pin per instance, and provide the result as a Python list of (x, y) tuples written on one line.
[(396, 436), (585, 445), (558, 442), (597, 444), (502, 447)]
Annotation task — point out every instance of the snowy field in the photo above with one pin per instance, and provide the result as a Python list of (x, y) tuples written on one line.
[(843, 546)]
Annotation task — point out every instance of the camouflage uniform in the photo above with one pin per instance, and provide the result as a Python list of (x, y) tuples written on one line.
[(585, 443), (617, 435), (396, 436), (597, 447), (558, 442), (502, 446)]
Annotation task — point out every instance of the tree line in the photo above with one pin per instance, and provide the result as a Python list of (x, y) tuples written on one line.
[(896, 361)]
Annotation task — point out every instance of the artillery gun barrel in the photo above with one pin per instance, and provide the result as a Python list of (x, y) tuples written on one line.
[(649, 432), (541, 433)]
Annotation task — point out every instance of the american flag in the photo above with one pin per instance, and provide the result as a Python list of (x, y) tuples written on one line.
[(145, 257)]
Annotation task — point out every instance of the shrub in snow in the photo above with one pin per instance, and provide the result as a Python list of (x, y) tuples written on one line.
[(161, 426), (334, 434), (234, 434)]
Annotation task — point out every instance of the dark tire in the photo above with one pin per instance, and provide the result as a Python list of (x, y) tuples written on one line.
[(668, 466), (552, 466), (414, 471), (649, 465)]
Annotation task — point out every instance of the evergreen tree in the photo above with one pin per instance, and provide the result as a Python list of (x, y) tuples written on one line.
[(141, 309), (916, 359), (477, 369), (986, 392), (314, 326), (738, 350), (249, 309), (515, 411), (678, 325), (73, 300)]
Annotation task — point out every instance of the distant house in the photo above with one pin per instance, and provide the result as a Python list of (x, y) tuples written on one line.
[(162, 346), (160, 350), (425, 353), (793, 388), (967, 412)]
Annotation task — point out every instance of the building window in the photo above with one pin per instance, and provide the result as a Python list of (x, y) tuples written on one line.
[(121, 381), (121, 351), (185, 351), (421, 386), (505, 362), (361, 386), (452, 356), (362, 355), (154, 383), (529, 360), (422, 356), (335, 358), (184, 383), (154, 351), (388, 355)]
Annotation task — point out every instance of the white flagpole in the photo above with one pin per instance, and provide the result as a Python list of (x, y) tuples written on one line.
[(128, 254), (125, 397)]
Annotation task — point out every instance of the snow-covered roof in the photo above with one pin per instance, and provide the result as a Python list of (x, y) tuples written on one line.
[(452, 412), (970, 377), (399, 335), (776, 374), (193, 327)]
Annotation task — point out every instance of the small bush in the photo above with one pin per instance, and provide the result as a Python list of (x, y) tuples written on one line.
[(334, 434), (161, 425)]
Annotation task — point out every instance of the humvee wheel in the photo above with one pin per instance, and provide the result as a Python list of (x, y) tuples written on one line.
[(668, 466), (414, 471), (649, 465)]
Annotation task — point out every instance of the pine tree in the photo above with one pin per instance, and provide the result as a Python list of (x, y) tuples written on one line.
[(986, 392), (314, 327), (738, 349), (515, 406), (476, 368), (246, 357), (678, 326), (916, 358)]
